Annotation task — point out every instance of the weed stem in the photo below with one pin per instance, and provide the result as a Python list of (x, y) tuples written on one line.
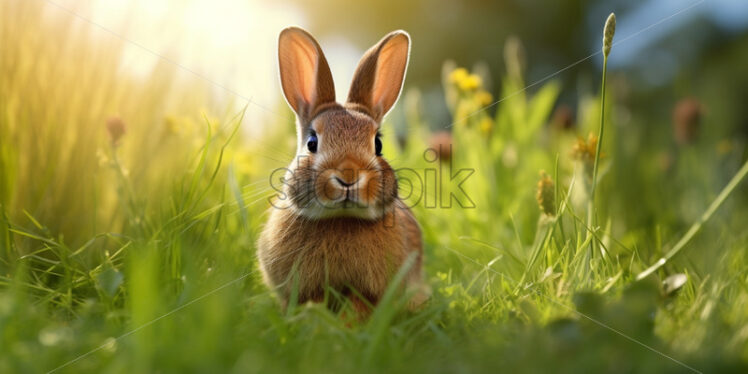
[(697, 225)]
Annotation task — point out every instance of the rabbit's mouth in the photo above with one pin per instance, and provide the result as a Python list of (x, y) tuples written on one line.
[(348, 202), (351, 198), (351, 203), (344, 199), (343, 208)]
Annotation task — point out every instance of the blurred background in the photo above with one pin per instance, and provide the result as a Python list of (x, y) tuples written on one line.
[(136, 140), (669, 49)]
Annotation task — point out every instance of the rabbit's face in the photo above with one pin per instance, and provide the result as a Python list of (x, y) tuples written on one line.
[(340, 169)]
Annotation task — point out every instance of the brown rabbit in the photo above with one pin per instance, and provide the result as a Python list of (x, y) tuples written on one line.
[(338, 221)]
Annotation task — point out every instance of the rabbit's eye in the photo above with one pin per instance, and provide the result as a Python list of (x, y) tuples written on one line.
[(378, 145), (311, 144)]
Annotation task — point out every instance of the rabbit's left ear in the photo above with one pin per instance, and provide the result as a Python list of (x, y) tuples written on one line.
[(305, 76), (379, 76)]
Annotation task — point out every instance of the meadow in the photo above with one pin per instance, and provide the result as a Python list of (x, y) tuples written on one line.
[(130, 209)]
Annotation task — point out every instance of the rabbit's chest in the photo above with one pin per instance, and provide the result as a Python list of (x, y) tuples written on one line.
[(346, 257), (339, 253), (350, 256)]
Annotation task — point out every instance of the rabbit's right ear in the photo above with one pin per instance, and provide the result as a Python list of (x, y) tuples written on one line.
[(305, 75), (379, 76)]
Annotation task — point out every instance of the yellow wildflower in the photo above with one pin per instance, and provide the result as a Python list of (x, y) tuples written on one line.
[(486, 124), (469, 83), (483, 98), (458, 75)]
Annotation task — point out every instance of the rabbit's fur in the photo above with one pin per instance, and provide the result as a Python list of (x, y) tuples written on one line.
[(338, 221)]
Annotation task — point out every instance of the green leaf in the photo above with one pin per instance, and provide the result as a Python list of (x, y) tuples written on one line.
[(541, 106)]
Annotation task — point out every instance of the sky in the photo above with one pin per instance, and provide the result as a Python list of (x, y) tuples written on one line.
[(730, 15)]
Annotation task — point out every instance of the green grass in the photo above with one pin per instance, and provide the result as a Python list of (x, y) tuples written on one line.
[(140, 257)]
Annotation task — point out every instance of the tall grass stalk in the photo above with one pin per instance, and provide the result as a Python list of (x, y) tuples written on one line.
[(608, 32)]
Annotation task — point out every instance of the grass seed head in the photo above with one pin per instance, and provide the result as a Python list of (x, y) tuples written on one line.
[(608, 32), (584, 150), (546, 194)]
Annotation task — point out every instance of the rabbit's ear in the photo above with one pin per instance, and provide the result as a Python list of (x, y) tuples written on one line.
[(379, 77), (305, 75)]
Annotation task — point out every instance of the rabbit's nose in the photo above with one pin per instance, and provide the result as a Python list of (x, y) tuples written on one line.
[(344, 183), (347, 174)]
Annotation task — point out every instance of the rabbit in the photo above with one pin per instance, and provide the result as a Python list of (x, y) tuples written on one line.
[(338, 221)]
